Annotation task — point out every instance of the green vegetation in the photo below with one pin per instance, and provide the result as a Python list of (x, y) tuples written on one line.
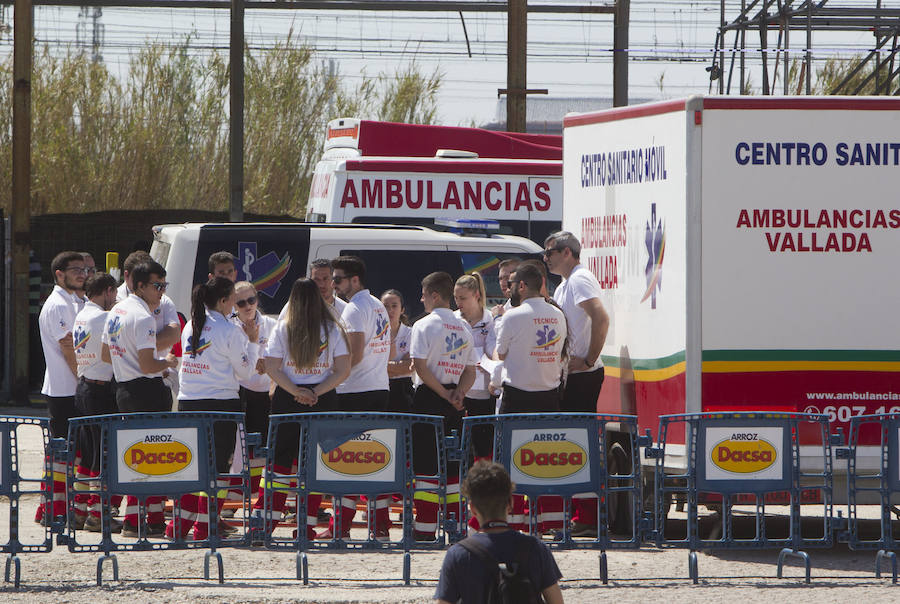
[(829, 77), (158, 138)]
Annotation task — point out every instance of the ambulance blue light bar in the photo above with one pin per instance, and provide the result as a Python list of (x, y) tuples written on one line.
[(460, 225)]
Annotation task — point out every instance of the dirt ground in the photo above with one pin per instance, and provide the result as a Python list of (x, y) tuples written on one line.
[(256, 575)]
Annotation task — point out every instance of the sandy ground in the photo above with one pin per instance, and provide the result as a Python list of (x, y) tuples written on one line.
[(255, 575)]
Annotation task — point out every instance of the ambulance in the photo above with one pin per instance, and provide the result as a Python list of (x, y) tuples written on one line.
[(746, 248), (383, 172), (273, 255)]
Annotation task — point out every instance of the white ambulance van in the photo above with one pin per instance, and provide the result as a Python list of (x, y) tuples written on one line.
[(383, 172), (273, 255)]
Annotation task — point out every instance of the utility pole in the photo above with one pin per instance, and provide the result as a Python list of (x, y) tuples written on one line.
[(21, 197), (516, 64), (97, 31), (620, 53), (236, 94)]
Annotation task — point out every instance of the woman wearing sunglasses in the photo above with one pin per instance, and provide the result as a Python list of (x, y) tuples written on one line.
[(307, 357), (254, 391), (216, 354)]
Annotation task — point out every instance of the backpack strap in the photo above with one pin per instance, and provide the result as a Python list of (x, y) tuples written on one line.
[(472, 545)]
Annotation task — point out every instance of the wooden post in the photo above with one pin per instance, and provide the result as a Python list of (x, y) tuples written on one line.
[(236, 128), (21, 199), (620, 53), (516, 65)]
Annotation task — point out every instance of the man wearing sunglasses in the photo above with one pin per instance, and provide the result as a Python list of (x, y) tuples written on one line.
[(579, 298), (56, 321), (129, 342)]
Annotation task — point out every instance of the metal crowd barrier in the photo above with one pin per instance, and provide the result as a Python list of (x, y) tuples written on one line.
[(345, 455), (13, 485), (569, 454), (157, 456), (743, 460), (882, 484)]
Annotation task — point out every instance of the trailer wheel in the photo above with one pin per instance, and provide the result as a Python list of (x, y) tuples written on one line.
[(619, 512)]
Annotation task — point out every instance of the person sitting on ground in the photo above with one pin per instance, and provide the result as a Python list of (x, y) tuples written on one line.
[(465, 577)]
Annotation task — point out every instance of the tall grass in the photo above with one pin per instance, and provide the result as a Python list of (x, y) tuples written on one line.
[(158, 137)]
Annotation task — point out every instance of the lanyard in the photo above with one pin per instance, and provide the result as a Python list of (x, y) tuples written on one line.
[(495, 524)]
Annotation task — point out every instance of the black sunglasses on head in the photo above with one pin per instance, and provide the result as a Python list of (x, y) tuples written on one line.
[(245, 302)]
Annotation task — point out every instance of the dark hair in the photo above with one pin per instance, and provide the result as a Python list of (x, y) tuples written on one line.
[(62, 260), (489, 488), (320, 263), (396, 292), (206, 295), (353, 266), (133, 259), (217, 258), (140, 274), (307, 316), (530, 276), (514, 261), (440, 283), (97, 284), (540, 266)]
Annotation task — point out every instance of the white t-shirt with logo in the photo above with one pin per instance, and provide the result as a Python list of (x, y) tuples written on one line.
[(259, 382), (579, 287), (445, 343), (484, 339), (366, 314), (532, 336), (88, 341), (57, 319), (401, 346), (222, 357), (332, 344), (130, 327), (164, 314)]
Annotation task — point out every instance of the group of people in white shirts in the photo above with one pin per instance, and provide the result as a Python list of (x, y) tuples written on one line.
[(326, 352)]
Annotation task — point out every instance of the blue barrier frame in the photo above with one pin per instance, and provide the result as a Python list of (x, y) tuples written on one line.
[(13, 486), (706, 476), (885, 482), (604, 435), (330, 430), (195, 427)]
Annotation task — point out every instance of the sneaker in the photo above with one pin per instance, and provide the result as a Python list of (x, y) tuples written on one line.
[(226, 529), (156, 529), (579, 529), (78, 522), (129, 530), (328, 535), (383, 534), (323, 517), (227, 513), (420, 536), (93, 525)]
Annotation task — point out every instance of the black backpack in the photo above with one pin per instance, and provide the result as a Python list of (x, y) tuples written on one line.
[(509, 583)]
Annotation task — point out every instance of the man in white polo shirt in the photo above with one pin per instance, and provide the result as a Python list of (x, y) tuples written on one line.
[(441, 347), (321, 271), (366, 388), (56, 321), (579, 297), (130, 337), (530, 343), (95, 394)]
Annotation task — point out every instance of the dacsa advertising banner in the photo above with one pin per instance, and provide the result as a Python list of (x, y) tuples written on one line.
[(369, 456), (157, 455), (541, 457)]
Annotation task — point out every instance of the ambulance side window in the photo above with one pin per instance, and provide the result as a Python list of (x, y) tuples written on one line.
[(403, 270)]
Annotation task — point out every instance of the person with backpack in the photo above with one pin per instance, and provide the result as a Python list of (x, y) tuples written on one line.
[(497, 564)]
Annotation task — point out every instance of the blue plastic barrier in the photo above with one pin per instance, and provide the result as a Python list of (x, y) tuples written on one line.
[(729, 455), (13, 485), (151, 455), (881, 483), (349, 454), (566, 454)]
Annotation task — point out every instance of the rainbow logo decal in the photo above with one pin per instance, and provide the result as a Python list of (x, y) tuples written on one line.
[(264, 272), (655, 240)]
